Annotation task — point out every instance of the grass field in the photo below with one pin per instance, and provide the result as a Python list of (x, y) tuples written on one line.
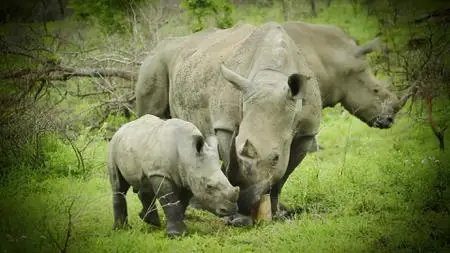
[(369, 190)]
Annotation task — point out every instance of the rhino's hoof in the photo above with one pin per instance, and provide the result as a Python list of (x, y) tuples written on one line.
[(176, 234), (121, 226), (176, 229), (286, 213), (239, 221), (150, 218)]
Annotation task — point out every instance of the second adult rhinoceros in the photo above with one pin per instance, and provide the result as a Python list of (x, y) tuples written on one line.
[(344, 74), (274, 100)]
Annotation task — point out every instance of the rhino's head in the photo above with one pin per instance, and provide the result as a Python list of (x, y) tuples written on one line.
[(207, 182), (363, 95), (269, 110)]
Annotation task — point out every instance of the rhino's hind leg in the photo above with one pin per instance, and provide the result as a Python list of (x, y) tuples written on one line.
[(149, 213), (173, 206), (119, 188)]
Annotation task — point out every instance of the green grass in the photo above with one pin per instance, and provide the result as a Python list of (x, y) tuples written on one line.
[(370, 190)]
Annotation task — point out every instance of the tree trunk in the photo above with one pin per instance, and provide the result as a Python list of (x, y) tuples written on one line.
[(285, 10), (313, 8)]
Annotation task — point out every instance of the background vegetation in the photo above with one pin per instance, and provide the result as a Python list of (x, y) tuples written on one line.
[(67, 76)]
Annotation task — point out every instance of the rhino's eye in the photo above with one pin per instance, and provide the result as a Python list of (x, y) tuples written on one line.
[(209, 187), (375, 90), (275, 159)]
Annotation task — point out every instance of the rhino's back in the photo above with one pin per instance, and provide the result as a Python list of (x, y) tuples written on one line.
[(323, 44), (145, 147), (199, 93), (320, 35), (196, 78)]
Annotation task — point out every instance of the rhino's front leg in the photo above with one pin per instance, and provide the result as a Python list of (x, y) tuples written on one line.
[(315, 147), (233, 174), (174, 208), (299, 149), (224, 139), (149, 214)]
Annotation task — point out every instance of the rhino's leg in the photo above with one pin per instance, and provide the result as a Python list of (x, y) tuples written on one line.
[(168, 196), (185, 197), (299, 149), (149, 213), (232, 172), (119, 188), (315, 147), (224, 139)]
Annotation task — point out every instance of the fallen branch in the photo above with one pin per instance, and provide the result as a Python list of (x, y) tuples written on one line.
[(62, 73), (438, 13), (88, 72)]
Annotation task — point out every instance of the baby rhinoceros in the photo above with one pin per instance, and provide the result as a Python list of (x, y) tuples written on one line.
[(169, 160)]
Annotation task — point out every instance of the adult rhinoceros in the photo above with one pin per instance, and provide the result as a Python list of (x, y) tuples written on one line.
[(343, 73), (274, 101)]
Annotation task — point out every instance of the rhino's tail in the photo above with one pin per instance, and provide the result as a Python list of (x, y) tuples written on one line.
[(118, 182)]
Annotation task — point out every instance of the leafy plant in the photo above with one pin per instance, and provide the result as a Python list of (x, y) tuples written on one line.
[(110, 14), (201, 9)]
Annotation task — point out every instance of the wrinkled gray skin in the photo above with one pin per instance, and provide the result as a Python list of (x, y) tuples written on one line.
[(169, 160), (152, 89), (249, 78), (344, 75)]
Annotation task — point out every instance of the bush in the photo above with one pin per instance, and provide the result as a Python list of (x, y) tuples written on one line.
[(201, 9), (110, 14)]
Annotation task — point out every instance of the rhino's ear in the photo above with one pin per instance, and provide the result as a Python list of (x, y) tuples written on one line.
[(199, 142), (296, 82), (240, 82)]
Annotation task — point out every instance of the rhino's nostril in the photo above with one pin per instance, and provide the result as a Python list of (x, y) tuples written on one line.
[(390, 120), (223, 210)]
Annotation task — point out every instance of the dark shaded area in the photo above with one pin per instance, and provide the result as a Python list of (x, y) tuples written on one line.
[(34, 11)]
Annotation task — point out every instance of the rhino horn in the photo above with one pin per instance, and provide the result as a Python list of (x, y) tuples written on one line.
[(237, 80), (369, 47), (389, 82), (248, 149), (402, 101)]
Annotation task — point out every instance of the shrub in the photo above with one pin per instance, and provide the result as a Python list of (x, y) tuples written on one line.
[(201, 9)]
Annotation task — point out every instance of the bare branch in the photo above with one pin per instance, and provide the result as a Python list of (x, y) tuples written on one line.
[(439, 133), (65, 73)]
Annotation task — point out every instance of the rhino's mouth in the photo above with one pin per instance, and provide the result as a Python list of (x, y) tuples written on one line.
[(382, 122), (249, 198)]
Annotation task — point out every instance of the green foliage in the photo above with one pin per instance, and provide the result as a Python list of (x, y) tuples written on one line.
[(110, 14), (200, 10)]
